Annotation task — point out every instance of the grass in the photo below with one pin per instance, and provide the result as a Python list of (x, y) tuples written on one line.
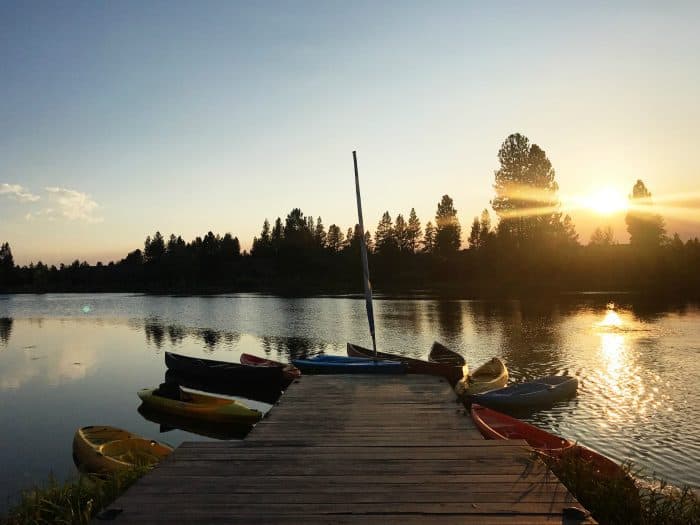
[(621, 500), (74, 502)]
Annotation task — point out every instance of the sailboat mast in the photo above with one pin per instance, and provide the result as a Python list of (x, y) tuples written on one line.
[(365, 263)]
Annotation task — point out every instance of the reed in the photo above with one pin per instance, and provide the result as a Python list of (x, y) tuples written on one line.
[(75, 501)]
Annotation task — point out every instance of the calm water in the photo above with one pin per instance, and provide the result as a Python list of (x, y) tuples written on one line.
[(73, 360)]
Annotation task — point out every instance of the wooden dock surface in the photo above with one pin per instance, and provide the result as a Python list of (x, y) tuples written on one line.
[(353, 449)]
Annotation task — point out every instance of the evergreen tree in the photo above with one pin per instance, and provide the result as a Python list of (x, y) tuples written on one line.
[(526, 194), (384, 236), (401, 234), (154, 249), (485, 234), (276, 236), (429, 238), (348, 239), (602, 237), (320, 233), (413, 231), (646, 228), (475, 234), (448, 232), (7, 265), (334, 239), (262, 247)]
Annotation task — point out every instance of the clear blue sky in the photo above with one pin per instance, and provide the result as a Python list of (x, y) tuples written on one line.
[(122, 118)]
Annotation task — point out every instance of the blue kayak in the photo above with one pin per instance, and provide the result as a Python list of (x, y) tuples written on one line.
[(532, 394), (335, 364)]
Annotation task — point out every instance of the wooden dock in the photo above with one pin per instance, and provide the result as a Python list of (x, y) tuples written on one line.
[(353, 449)]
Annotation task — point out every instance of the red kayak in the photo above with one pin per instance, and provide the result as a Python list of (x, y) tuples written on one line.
[(494, 425), (290, 371)]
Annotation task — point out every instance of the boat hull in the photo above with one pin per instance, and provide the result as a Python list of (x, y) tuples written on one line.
[(413, 366), (539, 393), (222, 371), (200, 407), (324, 364)]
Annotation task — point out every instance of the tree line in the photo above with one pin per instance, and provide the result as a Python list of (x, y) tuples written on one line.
[(533, 247)]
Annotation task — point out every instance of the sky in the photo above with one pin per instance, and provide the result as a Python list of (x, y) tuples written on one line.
[(123, 118)]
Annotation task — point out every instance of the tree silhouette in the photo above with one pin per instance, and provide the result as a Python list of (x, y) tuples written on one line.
[(7, 265), (448, 232), (474, 234), (645, 227), (485, 234), (154, 249), (526, 199), (334, 239), (602, 237), (413, 232), (429, 238), (320, 234), (384, 237)]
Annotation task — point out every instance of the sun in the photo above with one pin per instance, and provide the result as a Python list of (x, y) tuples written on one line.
[(606, 201)]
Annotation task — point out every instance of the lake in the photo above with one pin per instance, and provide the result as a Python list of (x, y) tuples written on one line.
[(72, 360)]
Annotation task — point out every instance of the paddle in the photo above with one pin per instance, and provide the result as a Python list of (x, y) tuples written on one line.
[(365, 264)]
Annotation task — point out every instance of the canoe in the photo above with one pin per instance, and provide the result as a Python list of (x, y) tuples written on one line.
[(200, 406), (226, 371), (265, 393), (494, 425), (492, 375), (290, 372), (104, 449), (413, 366), (533, 394), (334, 364), (439, 353)]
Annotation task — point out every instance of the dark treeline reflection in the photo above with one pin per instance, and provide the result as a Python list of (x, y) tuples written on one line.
[(5, 330), (532, 249), (159, 333)]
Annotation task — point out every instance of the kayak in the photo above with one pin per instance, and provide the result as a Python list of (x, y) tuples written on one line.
[(494, 425), (265, 393), (103, 449), (334, 364), (226, 371), (439, 353), (533, 394), (290, 372), (200, 406), (491, 375), (413, 366)]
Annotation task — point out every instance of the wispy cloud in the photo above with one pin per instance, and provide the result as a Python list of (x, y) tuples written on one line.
[(72, 205), (18, 193)]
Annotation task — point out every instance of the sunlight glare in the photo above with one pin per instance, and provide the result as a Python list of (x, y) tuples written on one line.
[(606, 201)]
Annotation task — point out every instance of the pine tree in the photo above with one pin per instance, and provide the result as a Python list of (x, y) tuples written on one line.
[(429, 238), (474, 234), (401, 234), (320, 233), (334, 239), (602, 237), (413, 233), (448, 232), (646, 228), (384, 236)]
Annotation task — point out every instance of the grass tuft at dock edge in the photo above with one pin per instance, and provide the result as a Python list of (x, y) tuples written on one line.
[(75, 501)]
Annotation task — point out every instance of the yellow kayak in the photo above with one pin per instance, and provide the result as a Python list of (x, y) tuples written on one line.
[(489, 376), (103, 449), (200, 406)]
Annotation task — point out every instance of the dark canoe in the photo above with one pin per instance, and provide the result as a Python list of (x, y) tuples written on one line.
[(333, 364), (221, 371), (439, 353), (414, 366), (532, 394), (259, 392)]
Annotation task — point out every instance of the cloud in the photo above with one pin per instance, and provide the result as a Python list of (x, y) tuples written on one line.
[(18, 193), (71, 204)]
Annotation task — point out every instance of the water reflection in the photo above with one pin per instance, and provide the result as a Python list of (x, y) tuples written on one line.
[(5, 330)]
